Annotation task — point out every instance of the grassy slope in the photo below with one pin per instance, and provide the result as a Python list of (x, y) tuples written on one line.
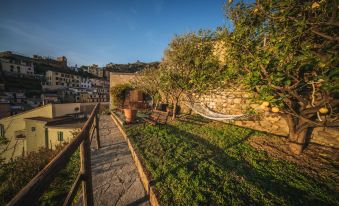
[(196, 162)]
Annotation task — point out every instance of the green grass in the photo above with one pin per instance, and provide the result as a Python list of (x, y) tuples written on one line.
[(198, 162)]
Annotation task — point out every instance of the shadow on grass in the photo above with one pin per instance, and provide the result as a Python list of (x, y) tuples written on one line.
[(266, 182)]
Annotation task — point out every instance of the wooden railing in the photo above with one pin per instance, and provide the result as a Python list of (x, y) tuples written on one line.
[(31, 193)]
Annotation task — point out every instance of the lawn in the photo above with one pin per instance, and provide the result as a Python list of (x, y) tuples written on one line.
[(194, 161)]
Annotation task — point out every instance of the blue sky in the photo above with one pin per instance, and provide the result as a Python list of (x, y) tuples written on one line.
[(99, 32)]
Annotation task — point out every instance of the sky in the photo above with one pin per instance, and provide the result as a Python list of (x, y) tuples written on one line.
[(102, 31)]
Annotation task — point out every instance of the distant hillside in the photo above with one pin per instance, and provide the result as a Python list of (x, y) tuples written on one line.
[(131, 67)]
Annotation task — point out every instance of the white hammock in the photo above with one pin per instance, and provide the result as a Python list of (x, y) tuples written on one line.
[(207, 113)]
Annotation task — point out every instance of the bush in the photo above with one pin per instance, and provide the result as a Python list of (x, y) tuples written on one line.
[(119, 94), (15, 175)]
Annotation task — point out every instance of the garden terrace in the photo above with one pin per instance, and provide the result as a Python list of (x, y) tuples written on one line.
[(194, 161)]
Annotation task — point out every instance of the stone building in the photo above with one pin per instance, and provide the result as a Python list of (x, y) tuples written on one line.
[(16, 64), (59, 62)]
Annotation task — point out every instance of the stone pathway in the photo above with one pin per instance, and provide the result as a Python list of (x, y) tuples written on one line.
[(115, 177)]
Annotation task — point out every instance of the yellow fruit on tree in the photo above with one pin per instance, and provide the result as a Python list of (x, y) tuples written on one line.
[(265, 104), (323, 110), (275, 109), (315, 5)]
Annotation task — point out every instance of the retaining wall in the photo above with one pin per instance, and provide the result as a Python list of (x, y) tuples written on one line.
[(240, 101)]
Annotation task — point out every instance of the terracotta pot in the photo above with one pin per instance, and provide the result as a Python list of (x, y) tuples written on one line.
[(130, 115)]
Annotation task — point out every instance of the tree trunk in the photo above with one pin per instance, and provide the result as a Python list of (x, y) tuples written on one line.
[(152, 102), (174, 110), (297, 141), (297, 137)]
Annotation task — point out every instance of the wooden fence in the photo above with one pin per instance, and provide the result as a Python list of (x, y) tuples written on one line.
[(31, 193)]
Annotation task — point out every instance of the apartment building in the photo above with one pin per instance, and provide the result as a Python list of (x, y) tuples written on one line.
[(16, 64), (92, 96), (58, 80), (85, 83)]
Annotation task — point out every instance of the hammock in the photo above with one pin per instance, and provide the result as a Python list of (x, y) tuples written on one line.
[(209, 114)]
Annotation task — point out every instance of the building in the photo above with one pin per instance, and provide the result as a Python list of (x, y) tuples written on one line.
[(16, 64), (49, 98), (42, 127), (96, 82), (59, 62), (93, 96), (85, 83), (58, 80), (95, 70), (16, 97)]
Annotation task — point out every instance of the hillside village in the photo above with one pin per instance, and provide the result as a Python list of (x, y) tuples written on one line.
[(29, 82)]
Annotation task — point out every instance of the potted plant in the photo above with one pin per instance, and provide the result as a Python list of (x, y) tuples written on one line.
[(119, 94), (130, 112)]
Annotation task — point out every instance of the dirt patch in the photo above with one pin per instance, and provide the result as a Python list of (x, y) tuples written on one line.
[(316, 160)]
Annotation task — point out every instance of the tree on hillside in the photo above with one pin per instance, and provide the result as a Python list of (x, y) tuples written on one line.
[(287, 51), (189, 66)]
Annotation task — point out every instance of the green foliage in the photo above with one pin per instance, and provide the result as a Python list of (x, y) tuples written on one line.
[(189, 63), (197, 162), (15, 175), (148, 80), (119, 94), (286, 51)]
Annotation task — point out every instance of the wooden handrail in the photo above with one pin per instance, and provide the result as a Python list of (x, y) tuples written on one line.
[(30, 194)]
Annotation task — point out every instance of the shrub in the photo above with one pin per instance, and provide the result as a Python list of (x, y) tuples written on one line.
[(119, 94)]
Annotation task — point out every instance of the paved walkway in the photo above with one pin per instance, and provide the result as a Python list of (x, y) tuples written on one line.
[(115, 177)]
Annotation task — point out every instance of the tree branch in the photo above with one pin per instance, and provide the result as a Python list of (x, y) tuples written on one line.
[(325, 35)]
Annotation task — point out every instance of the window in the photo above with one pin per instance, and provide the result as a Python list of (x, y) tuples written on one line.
[(2, 131), (18, 69), (33, 129), (12, 67), (60, 136)]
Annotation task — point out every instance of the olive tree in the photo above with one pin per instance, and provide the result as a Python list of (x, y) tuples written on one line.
[(287, 52), (189, 66), (148, 80)]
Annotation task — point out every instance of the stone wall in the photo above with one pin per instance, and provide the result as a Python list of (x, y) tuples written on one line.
[(240, 101), (120, 78)]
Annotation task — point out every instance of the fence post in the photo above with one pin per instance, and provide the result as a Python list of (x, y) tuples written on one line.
[(85, 159), (97, 130)]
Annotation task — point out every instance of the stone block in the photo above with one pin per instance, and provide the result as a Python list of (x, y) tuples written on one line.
[(237, 101)]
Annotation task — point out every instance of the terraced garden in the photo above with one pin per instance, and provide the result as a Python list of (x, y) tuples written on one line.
[(194, 161)]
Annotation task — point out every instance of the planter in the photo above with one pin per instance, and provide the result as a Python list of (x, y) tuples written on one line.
[(130, 115)]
